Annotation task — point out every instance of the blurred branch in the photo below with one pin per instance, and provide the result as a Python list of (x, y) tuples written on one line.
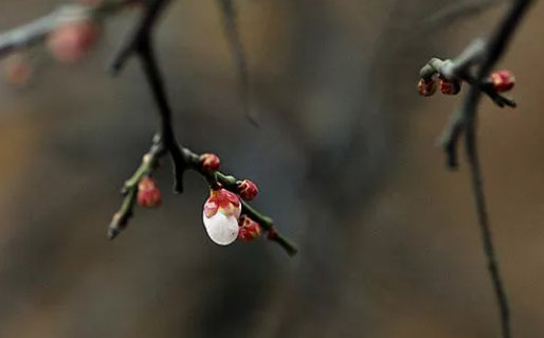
[(457, 11), (36, 31), (230, 22), (451, 70), (482, 56)]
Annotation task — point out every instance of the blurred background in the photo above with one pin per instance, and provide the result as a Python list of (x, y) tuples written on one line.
[(345, 159)]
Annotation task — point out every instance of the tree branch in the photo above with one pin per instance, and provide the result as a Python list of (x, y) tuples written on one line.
[(230, 22), (483, 56), (36, 31), (458, 10), (140, 44)]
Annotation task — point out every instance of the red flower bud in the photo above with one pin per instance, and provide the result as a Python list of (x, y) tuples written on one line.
[(149, 195), (71, 41), (426, 87), (249, 229), (502, 80), (450, 87), (210, 162), (223, 201), (247, 189)]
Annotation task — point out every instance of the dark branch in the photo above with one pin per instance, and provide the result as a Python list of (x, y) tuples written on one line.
[(482, 56), (140, 44), (458, 10), (496, 47)]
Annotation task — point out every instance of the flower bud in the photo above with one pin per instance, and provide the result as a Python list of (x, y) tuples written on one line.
[(426, 87), (70, 42), (210, 162), (502, 80), (247, 189), (149, 195), (249, 229), (450, 87), (17, 70), (220, 216)]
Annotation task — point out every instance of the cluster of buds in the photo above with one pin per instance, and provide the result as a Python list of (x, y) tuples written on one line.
[(222, 214), (223, 220), (427, 87), (500, 81)]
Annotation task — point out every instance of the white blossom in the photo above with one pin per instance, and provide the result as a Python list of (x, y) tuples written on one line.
[(222, 229)]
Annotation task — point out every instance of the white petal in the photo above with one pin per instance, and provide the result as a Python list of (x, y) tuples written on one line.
[(222, 230)]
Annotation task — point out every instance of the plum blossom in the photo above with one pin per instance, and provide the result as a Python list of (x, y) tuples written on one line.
[(220, 216)]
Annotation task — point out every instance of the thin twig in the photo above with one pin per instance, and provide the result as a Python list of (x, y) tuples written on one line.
[(456, 11), (496, 47), (232, 33), (464, 120), (130, 190), (140, 44)]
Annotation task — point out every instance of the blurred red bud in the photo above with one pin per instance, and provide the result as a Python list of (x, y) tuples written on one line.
[(502, 80), (149, 195), (70, 42), (450, 87), (426, 87)]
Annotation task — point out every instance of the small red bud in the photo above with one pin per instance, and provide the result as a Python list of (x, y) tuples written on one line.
[(210, 162), (149, 195), (426, 87), (502, 80), (249, 229), (247, 189), (71, 41), (450, 87)]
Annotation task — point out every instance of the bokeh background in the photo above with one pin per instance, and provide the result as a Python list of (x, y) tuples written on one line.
[(345, 159)]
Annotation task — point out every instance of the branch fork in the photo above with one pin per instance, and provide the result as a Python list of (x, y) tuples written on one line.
[(139, 44)]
